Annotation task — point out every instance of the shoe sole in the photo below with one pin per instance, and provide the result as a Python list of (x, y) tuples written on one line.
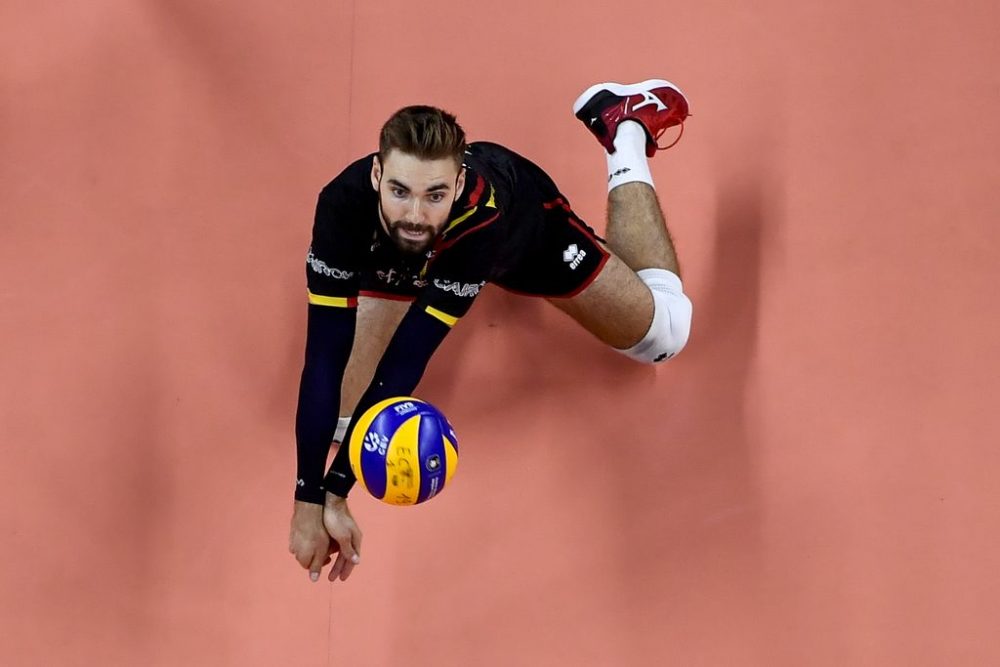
[(622, 90)]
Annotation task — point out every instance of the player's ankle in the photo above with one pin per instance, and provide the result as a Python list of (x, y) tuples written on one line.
[(631, 138), (628, 164)]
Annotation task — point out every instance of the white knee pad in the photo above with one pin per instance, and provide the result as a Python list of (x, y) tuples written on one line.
[(671, 325)]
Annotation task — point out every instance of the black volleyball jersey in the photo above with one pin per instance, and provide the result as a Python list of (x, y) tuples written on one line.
[(481, 242), (511, 226)]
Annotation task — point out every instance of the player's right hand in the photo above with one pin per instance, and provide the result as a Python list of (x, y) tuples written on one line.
[(308, 540)]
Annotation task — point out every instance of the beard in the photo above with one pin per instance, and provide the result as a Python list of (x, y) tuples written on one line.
[(405, 244), (411, 246)]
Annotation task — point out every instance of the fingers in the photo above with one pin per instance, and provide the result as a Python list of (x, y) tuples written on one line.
[(312, 554), (337, 568), (316, 566), (356, 549), (332, 549), (341, 569), (304, 557), (350, 555)]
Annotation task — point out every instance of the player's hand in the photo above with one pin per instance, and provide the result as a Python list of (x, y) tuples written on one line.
[(308, 540), (346, 535)]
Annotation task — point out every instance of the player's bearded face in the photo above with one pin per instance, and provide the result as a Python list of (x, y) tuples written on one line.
[(415, 198)]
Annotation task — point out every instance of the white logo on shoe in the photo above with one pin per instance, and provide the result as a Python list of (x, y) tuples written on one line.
[(573, 255), (648, 98)]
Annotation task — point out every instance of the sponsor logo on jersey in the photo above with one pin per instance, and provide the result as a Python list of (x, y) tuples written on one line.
[(320, 267), (573, 255), (468, 290), (392, 276)]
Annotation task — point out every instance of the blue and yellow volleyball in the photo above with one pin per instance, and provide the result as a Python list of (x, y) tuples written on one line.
[(403, 451)]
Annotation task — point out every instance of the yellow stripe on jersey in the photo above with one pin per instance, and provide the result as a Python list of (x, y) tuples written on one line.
[(444, 317), (335, 301), (460, 219), (492, 203)]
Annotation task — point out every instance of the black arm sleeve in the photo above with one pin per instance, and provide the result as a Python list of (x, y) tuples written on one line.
[(399, 371), (329, 337)]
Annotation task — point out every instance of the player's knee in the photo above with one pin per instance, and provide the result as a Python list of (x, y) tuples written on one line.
[(671, 326)]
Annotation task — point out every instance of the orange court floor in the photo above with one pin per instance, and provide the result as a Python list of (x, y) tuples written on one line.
[(811, 482)]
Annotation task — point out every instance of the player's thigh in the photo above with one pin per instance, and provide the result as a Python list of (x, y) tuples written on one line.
[(616, 306), (378, 320)]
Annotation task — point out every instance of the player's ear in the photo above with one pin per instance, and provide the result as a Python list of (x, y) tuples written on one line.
[(376, 172), (460, 183)]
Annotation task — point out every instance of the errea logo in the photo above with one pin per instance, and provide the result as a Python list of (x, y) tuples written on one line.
[(573, 255)]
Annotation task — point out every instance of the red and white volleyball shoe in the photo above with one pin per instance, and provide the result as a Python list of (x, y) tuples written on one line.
[(656, 104)]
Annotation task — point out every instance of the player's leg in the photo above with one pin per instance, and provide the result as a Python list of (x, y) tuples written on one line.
[(616, 306), (636, 303), (637, 231), (627, 121)]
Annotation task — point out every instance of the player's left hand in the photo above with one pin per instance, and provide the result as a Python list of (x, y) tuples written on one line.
[(345, 534)]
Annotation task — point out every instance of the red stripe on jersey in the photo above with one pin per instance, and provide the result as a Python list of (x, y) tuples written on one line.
[(478, 191), (605, 255), (389, 296), (452, 242), (568, 295), (576, 222)]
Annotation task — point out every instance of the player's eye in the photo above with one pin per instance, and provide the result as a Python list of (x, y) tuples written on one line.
[(437, 197), (398, 192)]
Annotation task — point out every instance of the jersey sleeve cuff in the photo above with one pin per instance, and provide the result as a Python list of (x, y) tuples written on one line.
[(333, 301), (314, 495), (338, 483)]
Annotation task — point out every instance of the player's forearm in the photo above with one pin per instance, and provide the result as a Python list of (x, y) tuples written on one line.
[(378, 320), (398, 374), (315, 422), (328, 346)]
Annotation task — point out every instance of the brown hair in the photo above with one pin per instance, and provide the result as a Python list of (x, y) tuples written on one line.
[(424, 132)]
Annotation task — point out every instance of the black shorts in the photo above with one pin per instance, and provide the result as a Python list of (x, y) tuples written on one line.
[(559, 256), (564, 259)]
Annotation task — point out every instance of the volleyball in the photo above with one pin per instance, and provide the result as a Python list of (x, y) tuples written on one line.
[(403, 451)]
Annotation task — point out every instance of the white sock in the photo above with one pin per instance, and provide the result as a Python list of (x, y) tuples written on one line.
[(628, 164)]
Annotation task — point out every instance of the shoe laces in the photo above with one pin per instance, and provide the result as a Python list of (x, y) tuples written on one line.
[(656, 139)]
